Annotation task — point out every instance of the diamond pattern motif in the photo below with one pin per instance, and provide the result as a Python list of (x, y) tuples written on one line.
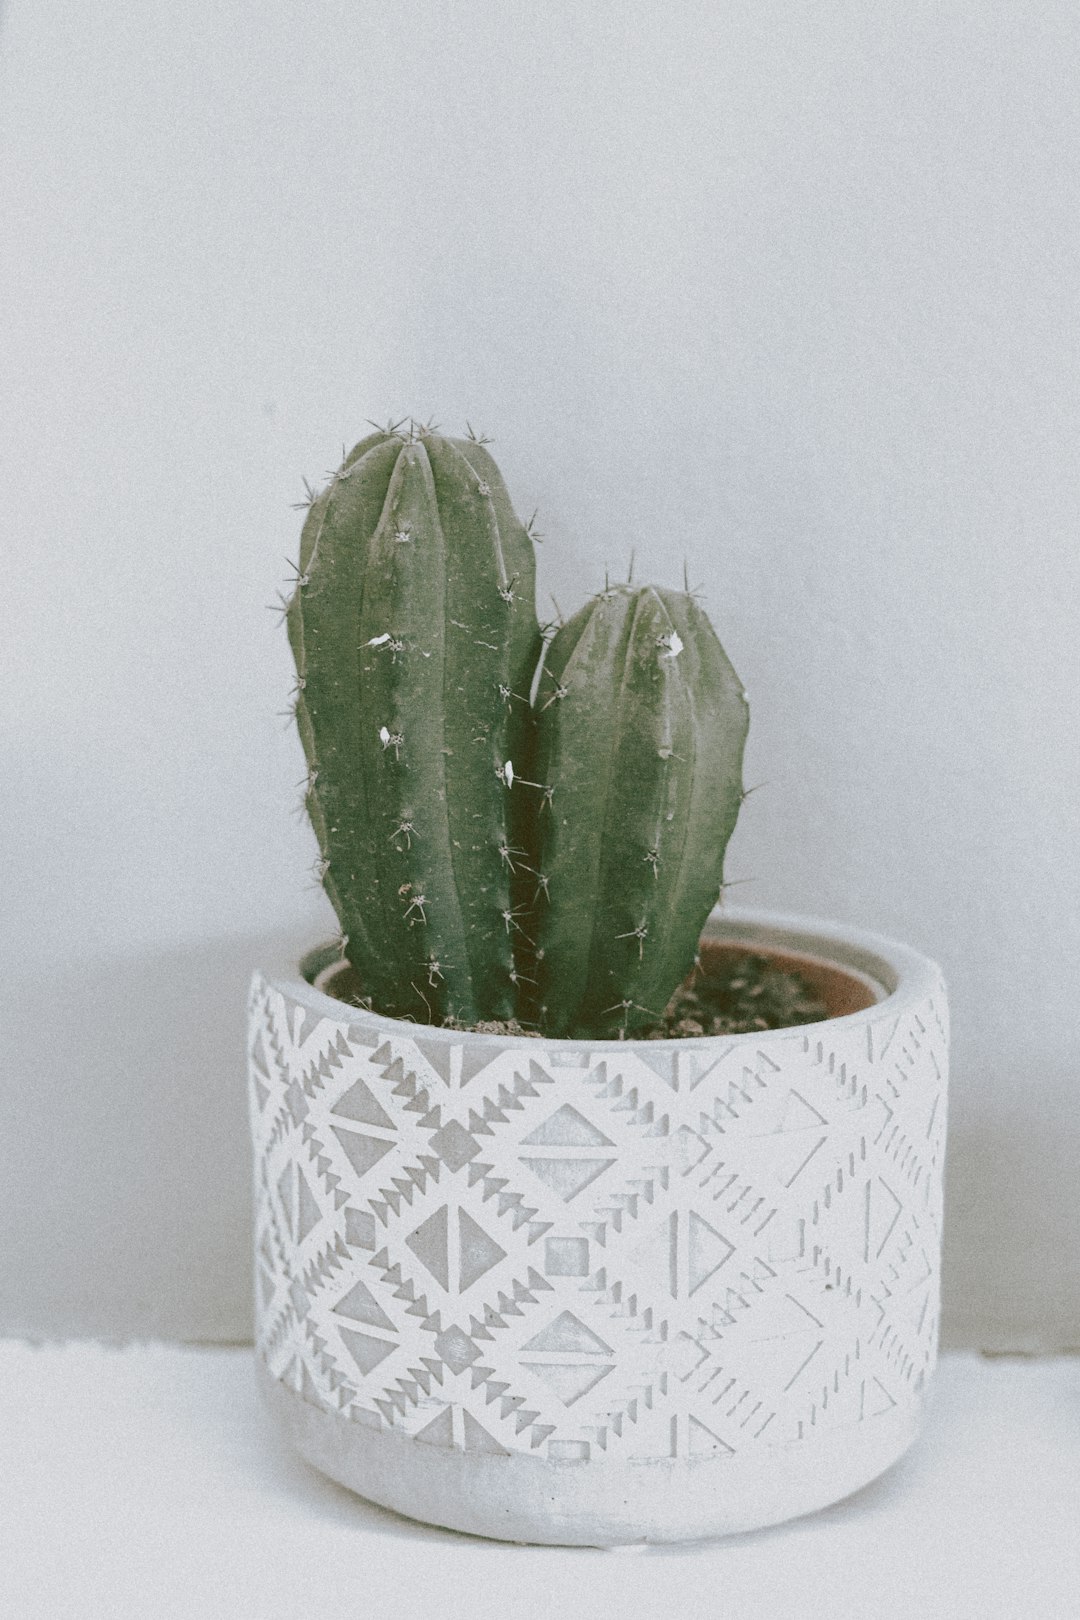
[(683, 1252)]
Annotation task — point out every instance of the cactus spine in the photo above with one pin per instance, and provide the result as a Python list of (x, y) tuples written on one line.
[(414, 633), (640, 726)]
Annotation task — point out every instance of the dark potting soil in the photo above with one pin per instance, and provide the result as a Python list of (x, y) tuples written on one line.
[(742, 994), (736, 996)]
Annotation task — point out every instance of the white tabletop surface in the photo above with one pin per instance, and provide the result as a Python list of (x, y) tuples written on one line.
[(147, 1481)]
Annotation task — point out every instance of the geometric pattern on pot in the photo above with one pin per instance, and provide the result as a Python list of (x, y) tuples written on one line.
[(641, 1251)]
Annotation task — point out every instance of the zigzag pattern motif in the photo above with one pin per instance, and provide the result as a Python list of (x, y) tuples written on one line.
[(572, 1254), (404, 1288)]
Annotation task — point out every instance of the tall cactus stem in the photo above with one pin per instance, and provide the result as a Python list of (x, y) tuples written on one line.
[(411, 613)]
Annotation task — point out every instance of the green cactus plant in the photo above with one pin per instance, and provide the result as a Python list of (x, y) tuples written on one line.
[(494, 855), (413, 627), (640, 725)]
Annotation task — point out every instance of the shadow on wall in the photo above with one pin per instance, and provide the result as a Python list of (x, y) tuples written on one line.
[(125, 1150), (1010, 1275)]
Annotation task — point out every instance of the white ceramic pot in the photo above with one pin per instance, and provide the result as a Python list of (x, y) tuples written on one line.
[(600, 1292)]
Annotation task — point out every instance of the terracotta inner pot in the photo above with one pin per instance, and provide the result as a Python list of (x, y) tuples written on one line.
[(842, 992)]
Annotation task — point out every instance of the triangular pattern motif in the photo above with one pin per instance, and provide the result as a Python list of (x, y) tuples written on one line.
[(570, 1253), (567, 1127)]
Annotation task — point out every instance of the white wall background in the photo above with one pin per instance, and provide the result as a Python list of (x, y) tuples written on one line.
[(791, 291)]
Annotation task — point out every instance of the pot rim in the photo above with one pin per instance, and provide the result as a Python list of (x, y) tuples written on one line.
[(898, 974)]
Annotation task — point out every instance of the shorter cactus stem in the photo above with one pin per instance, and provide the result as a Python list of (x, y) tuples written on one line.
[(640, 724)]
